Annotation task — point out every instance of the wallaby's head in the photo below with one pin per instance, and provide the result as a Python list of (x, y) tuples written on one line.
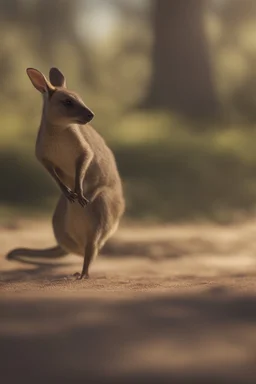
[(62, 107)]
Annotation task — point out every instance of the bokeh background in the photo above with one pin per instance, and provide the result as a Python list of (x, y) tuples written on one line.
[(173, 87)]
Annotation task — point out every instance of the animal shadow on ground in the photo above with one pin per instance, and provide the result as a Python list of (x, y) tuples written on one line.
[(42, 270), (152, 250), (158, 249), (201, 338)]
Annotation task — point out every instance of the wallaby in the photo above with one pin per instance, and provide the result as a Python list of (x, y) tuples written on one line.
[(76, 156)]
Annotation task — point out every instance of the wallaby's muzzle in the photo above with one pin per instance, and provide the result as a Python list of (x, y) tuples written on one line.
[(86, 116)]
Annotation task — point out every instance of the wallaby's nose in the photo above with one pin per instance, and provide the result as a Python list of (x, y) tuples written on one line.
[(90, 115), (87, 114)]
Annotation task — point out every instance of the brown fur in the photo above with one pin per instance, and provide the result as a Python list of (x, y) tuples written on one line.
[(77, 157)]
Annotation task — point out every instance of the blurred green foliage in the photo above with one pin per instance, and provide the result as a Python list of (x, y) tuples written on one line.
[(170, 172)]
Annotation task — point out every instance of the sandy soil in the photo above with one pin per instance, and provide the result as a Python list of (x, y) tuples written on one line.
[(174, 304)]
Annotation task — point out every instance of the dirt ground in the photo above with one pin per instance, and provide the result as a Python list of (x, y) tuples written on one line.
[(164, 304)]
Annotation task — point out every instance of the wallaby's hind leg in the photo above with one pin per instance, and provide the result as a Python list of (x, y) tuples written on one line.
[(104, 222), (91, 251), (58, 223)]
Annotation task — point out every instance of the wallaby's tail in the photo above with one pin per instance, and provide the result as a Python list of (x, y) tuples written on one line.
[(48, 253)]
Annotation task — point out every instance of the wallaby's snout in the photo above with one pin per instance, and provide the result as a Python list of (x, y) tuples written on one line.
[(62, 106), (67, 107), (88, 115)]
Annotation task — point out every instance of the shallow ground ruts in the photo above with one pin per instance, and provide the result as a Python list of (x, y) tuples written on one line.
[(163, 304)]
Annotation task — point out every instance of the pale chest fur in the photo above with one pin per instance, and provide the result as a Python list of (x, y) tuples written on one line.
[(61, 148)]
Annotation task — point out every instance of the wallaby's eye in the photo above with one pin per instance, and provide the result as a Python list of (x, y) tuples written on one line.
[(67, 102)]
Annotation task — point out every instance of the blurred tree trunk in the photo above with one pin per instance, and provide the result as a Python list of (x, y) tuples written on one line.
[(181, 78), (54, 27), (51, 23)]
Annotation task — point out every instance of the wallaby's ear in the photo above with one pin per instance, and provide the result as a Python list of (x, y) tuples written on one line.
[(39, 81), (57, 78)]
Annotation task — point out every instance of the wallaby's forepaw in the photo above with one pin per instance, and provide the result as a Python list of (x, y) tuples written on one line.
[(80, 276), (82, 200), (70, 195)]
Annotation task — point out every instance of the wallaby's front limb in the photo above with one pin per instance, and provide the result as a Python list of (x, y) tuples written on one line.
[(82, 165), (70, 195)]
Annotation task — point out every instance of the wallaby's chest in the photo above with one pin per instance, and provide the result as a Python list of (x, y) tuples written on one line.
[(59, 149)]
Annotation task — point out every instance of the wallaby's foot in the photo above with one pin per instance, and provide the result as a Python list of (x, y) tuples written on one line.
[(82, 200), (70, 195), (80, 276)]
